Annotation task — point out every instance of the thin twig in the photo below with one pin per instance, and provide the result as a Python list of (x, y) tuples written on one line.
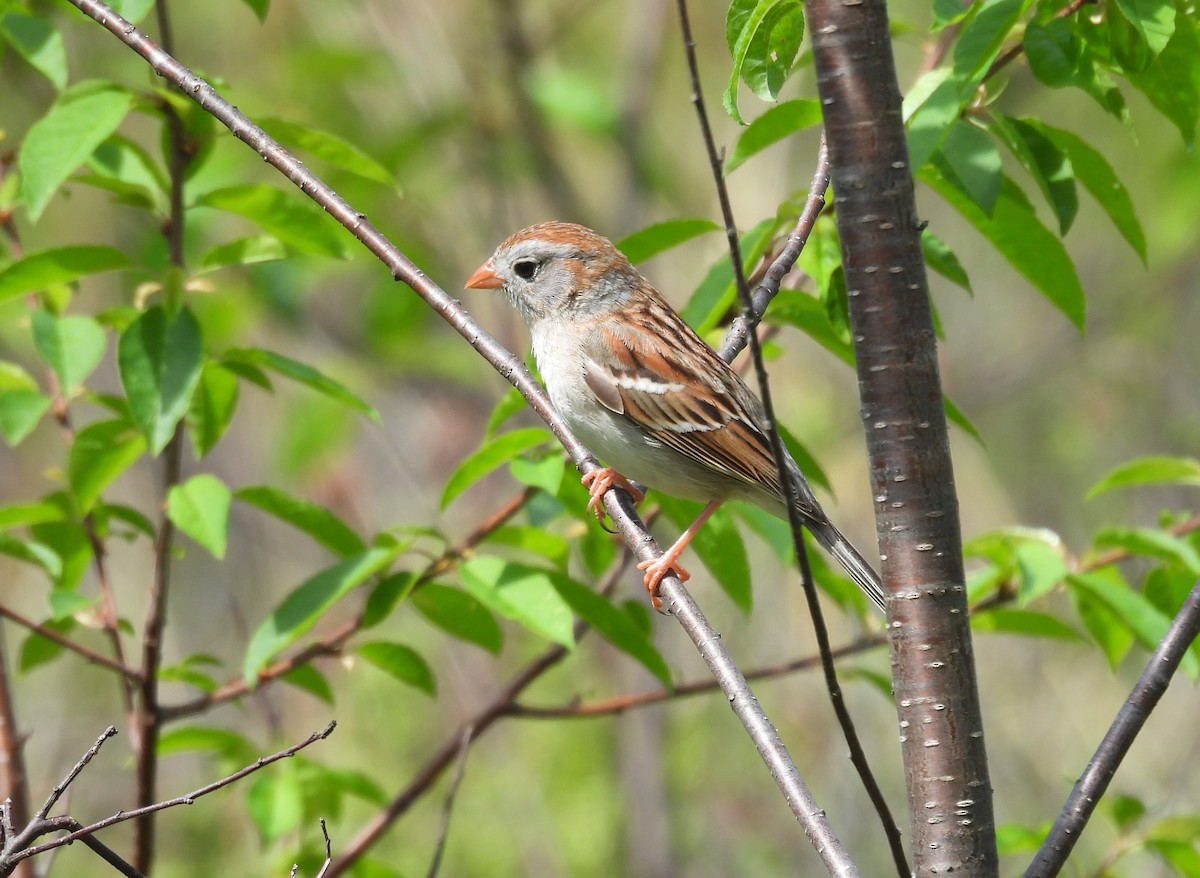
[(1130, 719), (328, 850), (838, 862), (448, 805), (187, 799), (87, 757)]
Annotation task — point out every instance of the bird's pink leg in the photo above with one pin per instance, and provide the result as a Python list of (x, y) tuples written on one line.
[(600, 480), (660, 567)]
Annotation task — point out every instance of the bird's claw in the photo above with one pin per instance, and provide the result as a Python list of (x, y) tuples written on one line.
[(600, 480)]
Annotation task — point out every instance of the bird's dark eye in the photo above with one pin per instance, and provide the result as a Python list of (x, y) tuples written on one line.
[(526, 268)]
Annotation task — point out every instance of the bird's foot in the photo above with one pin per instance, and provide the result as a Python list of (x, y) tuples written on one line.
[(657, 569), (600, 480)]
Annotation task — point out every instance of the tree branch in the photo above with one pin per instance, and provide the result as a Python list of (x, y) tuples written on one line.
[(1094, 781)]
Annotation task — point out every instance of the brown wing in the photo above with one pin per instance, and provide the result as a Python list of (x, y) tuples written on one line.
[(658, 373)]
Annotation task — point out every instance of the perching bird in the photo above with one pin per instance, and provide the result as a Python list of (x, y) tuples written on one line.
[(641, 389)]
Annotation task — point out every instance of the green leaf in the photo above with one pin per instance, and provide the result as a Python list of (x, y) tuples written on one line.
[(1172, 79), (81, 119), (200, 508), (132, 11), (308, 679), (550, 546), (310, 518), (754, 30), (1025, 622), (974, 163), (35, 39), (298, 224), (205, 739), (301, 372), (387, 593), (1154, 20), (544, 473), (719, 546), (71, 544), (65, 603), (1058, 58), (401, 662), (981, 39), (614, 626), (301, 609), (459, 615), (1125, 810), (159, 358), (211, 409), (1151, 543), (328, 147), (1031, 248), (73, 346), (522, 593), (1150, 471), (48, 268), (717, 291), (258, 7), (652, 240), (491, 455), (810, 316), (122, 167), (1014, 839), (930, 120), (771, 127), (37, 650), (275, 802), (1135, 613), (244, 251), (105, 514), (25, 514), (941, 259), (99, 454), (20, 412), (1044, 161), (1096, 174), (32, 552)]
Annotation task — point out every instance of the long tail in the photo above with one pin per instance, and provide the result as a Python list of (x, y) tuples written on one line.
[(845, 553)]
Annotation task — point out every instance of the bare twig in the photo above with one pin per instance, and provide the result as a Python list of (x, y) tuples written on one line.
[(1094, 781), (12, 753), (328, 850), (76, 831), (448, 805), (87, 757), (836, 859)]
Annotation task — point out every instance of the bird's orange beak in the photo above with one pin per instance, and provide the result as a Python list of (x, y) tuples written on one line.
[(484, 278)]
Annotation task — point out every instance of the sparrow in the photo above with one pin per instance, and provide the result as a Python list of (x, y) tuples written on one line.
[(644, 392)]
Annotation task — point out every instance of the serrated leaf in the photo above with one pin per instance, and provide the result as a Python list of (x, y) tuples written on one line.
[(81, 119), (614, 626), (1154, 20), (1031, 248), (972, 160), (298, 224), (1025, 622), (32, 552), (20, 412), (521, 593), (200, 508), (754, 29), (719, 546), (401, 662), (244, 251), (328, 147), (1045, 162), (1135, 613), (941, 259), (99, 454), (459, 615), (494, 453), (213, 403), (159, 359), (1149, 471), (655, 239), (1152, 543), (205, 739), (47, 268), (1097, 176), (1058, 58), (301, 372), (301, 609), (772, 126), (72, 346), (35, 39), (311, 518)]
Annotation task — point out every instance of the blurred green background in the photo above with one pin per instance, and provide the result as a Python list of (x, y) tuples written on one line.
[(494, 115)]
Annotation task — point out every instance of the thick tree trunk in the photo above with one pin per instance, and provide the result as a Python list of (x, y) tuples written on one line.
[(950, 796)]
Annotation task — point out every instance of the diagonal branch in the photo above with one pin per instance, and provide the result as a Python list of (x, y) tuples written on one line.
[(1090, 787)]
